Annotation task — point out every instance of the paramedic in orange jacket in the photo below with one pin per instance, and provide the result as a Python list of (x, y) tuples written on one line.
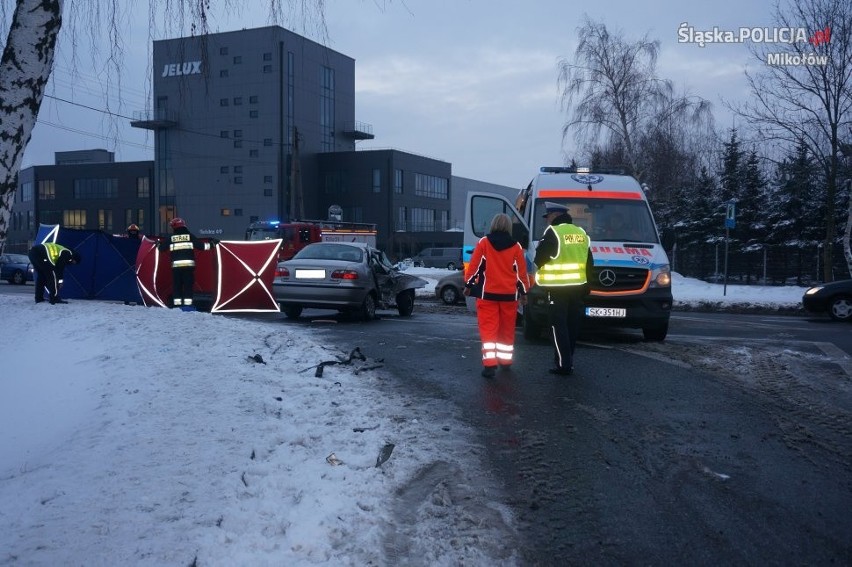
[(497, 277)]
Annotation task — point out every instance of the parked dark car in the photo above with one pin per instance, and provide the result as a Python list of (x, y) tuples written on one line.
[(351, 277), (16, 269), (449, 288), (834, 298), (449, 258)]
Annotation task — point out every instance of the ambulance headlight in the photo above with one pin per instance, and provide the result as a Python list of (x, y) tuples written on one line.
[(661, 277)]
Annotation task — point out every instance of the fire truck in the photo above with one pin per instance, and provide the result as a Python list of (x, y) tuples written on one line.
[(298, 234)]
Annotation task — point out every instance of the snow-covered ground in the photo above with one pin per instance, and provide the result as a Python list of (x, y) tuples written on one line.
[(157, 437)]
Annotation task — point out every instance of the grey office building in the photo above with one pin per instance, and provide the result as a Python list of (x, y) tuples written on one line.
[(239, 120), (83, 189)]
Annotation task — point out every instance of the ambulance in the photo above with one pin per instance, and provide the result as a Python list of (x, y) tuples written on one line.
[(631, 281)]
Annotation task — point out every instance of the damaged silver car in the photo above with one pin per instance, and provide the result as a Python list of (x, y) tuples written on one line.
[(351, 277)]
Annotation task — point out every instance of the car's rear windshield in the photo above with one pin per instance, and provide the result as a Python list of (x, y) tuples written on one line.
[(325, 251)]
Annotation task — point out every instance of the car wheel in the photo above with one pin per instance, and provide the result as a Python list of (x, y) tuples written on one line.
[(18, 278), (368, 308), (840, 308), (532, 331), (657, 333), (450, 295), (292, 311), (405, 303), (451, 266)]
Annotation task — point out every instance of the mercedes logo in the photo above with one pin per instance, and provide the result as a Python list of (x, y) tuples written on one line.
[(607, 278)]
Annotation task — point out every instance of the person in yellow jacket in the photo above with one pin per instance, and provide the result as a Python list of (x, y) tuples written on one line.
[(564, 261), (497, 276), (49, 261)]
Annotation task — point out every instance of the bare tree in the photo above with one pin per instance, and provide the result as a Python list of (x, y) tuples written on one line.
[(801, 94), (30, 49), (611, 88)]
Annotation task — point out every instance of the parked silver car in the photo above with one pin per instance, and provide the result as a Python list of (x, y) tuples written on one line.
[(450, 288), (350, 277)]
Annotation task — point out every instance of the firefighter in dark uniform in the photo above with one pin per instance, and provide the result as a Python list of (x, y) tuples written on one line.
[(49, 261), (564, 260), (181, 246)]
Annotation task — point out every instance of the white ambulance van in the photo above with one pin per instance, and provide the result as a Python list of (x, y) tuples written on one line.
[(631, 281)]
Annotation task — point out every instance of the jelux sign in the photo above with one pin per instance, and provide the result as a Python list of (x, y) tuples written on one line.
[(178, 69)]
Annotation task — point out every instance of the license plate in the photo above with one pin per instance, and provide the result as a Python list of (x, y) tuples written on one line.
[(310, 274), (606, 312)]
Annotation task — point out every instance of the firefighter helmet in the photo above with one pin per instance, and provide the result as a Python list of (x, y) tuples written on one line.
[(177, 222), (133, 227)]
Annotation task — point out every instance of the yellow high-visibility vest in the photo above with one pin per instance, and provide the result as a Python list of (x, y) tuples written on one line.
[(568, 266)]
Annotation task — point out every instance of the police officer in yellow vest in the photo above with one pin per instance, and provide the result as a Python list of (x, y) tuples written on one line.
[(49, 261), (564, 260)]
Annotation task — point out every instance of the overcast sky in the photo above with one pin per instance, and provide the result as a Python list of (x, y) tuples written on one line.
[(471, 82)]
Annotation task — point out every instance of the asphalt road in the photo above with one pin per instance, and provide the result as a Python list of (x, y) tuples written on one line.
[(730, 443)]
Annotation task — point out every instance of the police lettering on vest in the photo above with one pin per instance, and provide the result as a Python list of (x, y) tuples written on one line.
[(568, 266)]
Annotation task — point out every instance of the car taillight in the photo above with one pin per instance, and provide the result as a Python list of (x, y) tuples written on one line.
[(282, 272), (344, 275)]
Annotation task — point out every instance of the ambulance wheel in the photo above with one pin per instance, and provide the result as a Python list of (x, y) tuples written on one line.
[(656, 333), (532, 331)]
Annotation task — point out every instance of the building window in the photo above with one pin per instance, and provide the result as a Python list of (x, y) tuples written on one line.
[(223, 169), (238, 180), (326, 109), (238, 169), (267, 56), (223, 51), (224, 134), (267, 141), (238, 212), (26, 191), (400, 219), (140, 217), (106, 188), (253, 153), (238, 101), (74, 218), (223, 102), (253, 99), (225, 212), (238, 143), (291, 97), (128, 217), (377, 181), (422, 220), (238, 59), (252, 114), (238, 133), (430, 186), (223, 73), (397, 181), (267, 192), (267, 179), (267, 68), (143, 187), (46, 190), (105, 219)]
